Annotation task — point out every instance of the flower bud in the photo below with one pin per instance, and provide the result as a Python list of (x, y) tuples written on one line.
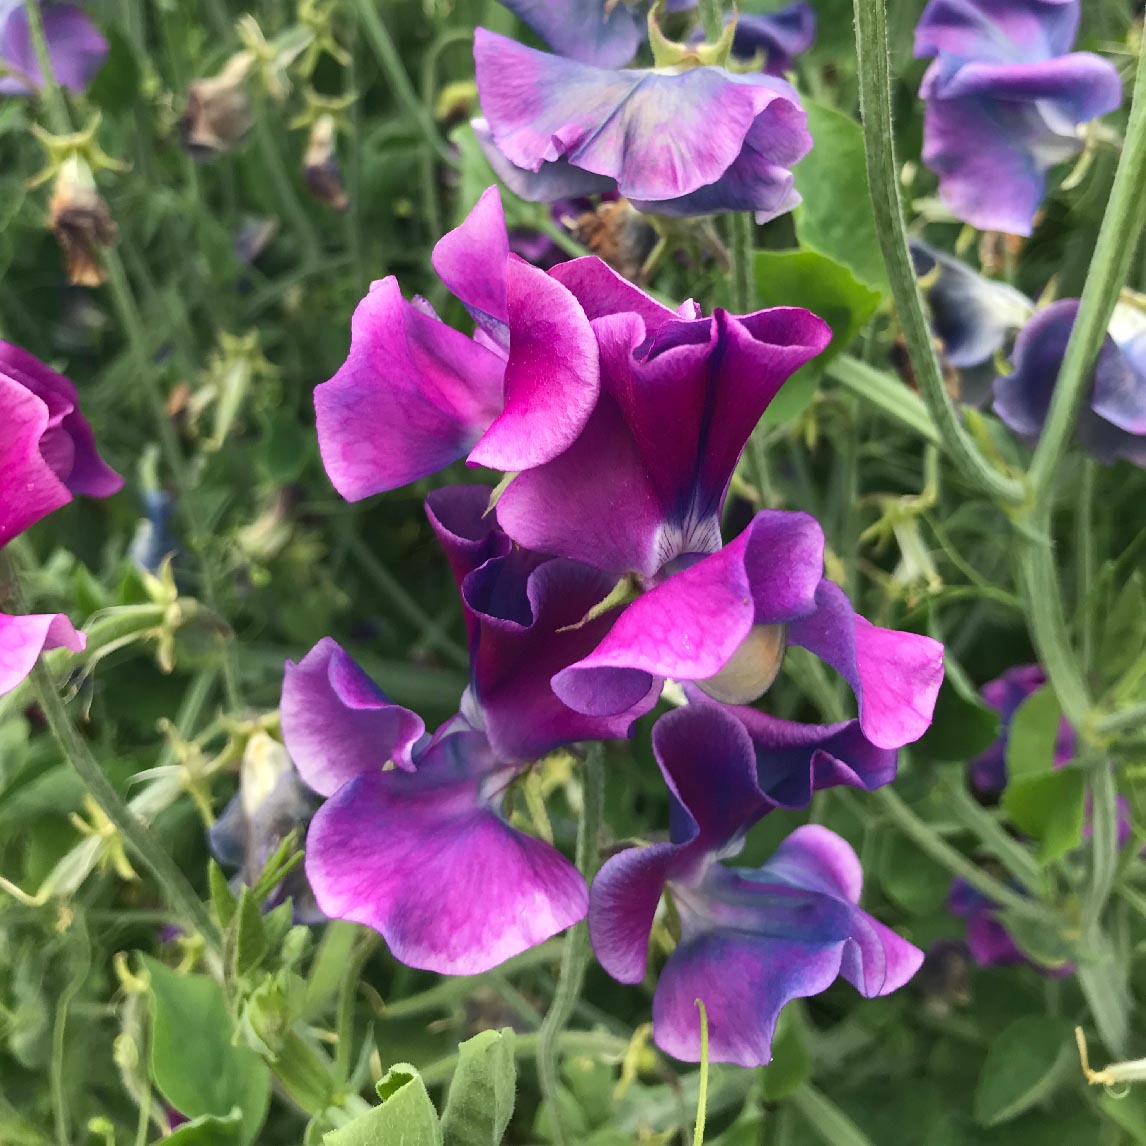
[(81, 222), (321, 171), (218, 112)]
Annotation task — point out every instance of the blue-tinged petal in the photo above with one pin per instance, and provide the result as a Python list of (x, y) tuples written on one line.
[(971, 315), (659, 136), (337, 723), (997, 31), (781, 35), (76, 48), (425, 860), (600, 32)]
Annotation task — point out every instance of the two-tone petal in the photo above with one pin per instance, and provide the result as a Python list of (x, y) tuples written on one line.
[(23, 639)]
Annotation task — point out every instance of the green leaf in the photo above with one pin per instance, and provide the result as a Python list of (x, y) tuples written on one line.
[(791, 1064), (481, 1097), (223, 899), (406, 1117), (1049, 808), (913, 881), (825, 287), (1033, 734), (193, 1062), (1121, 642), (1022, 1067), (207, 1131), (836, 216), (246, 937)]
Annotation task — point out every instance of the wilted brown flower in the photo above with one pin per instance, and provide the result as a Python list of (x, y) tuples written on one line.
[(321, 171), (620, 234), (81, 221), (218, 112)]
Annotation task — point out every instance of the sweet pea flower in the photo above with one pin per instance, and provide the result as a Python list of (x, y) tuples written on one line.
[(76, 48), (47, 454), (608, 34), (1005, 694), (674, 140), (750, 940), (1005, 102), (1112, 422), (640, 494), (421, 851), (272, 801), (415, 395), (988, 941), (971, 315)]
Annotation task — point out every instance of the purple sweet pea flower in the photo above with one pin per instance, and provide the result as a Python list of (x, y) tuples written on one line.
[(1005, 103), (751, 940), (415, 395), (47, 454), (640, 494), (972, 315), (1112, 424), (988, 941), (673, 142), (76, 48), (421, 851)]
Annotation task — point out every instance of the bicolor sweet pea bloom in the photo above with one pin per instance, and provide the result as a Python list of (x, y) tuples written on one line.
[(1006, 100), (272, 801), (750, 940), (608, 34), (415, 395), (76, 48), (47, 454), (972, 315), (674, 141), (640, 494), (1112, 423), (421, 851)]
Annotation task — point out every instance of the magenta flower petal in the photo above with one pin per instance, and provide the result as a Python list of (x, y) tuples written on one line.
[(337, 723), (460, 518), (552, 377), (592, 31), (691, 624), (413, 396), (471, 259), (22, 639), (658, 136), (425, 860), (76, 48), (895, 676), (601, 291), (678, 403)]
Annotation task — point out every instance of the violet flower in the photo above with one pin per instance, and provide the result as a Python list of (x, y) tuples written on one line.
[(608, 34), (1112, 423), (640, 494), (415, 395), (1005, 103), (972, 315), (750, 940), (47, 454), (674, 141), (421, 851), (76, 48), (988, 941)]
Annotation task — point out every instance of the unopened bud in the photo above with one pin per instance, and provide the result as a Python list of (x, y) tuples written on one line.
[(81, 222), (750, 670), (218, 112), (321, 171)]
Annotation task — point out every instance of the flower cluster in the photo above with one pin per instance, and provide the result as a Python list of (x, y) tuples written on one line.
[(47, 454), (597, 573), (1006, 99)]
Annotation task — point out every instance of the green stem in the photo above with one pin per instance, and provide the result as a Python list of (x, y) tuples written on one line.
[(1128, 718), (832, 1125), (50, 92), (1084, 556), (879, 149), (711, 19), (284, 187), (1103, 845), (575, 952), (179, 893), (1117, 239), (740, 232), (386, 53), (921, 834)]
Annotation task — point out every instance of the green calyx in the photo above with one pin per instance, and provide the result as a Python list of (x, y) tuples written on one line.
[(671, 54)]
